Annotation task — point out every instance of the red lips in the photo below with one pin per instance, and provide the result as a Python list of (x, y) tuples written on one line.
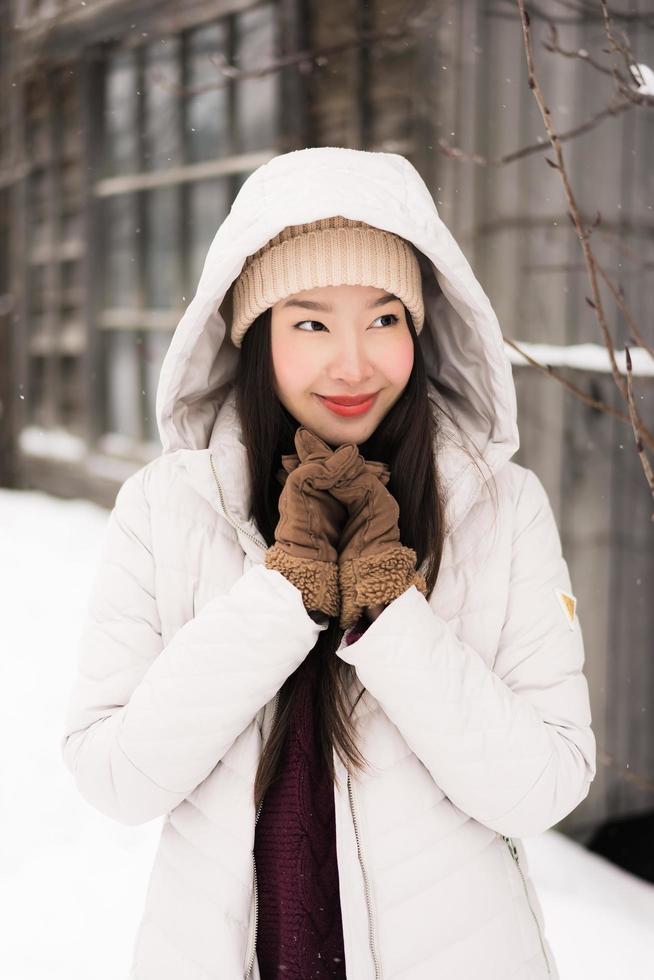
[(349, 410), (349, 399)]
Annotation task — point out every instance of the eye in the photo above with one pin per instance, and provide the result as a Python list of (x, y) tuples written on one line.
[(392, 316)]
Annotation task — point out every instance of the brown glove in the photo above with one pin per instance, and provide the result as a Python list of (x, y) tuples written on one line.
[(311, 520), (373, 566)]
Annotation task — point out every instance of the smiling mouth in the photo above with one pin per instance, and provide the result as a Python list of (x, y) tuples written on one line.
[(349, 399), (348, 410)]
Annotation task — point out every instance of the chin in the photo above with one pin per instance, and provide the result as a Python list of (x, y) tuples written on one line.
[(356, 431), (336, 431)]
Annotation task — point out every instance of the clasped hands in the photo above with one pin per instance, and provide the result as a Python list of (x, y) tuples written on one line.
[(338, 538)]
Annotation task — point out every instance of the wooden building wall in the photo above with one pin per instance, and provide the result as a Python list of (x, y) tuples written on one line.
[(511, 221), (462, 78)]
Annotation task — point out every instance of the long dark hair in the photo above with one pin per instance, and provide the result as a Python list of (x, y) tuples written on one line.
[(405, 439)]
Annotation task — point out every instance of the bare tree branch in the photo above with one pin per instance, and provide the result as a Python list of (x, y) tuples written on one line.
[(641, 433), (575, 217), (622, 48), (606, 759), (412, 27), (458, 154), (596, 403), (645, 463), (585, 13), (553, 46), (626, 312), (623, 248)]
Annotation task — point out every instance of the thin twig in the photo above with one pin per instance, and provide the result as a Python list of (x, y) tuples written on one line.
[(624, 309), (583, 233), (597, 403), (605, 758), (456, 153), (623, 248), (570, 134), (589, 13), (621, 48), (306, 59), (645, 463), (625, 86), (580, 53)]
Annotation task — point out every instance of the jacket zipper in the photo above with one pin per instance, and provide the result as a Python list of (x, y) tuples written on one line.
[(252, 939), (226, 513), (514, 854), (366, 880)]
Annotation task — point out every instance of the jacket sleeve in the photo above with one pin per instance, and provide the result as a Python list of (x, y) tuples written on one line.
[(512, 746), (146, 723)]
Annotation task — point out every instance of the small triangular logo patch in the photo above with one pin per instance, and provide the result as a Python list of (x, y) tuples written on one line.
[(568, 605)]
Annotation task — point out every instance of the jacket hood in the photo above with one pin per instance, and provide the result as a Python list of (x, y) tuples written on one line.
[(461, 342)]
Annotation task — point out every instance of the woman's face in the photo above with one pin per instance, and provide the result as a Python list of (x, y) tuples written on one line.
[(356, 342)]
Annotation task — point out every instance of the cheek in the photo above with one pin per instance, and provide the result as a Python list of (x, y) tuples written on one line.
[(399, 363), (292, 367)]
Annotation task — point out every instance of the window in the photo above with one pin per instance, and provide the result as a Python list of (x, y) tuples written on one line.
[(179, 137), (133, 156), (56, 337)]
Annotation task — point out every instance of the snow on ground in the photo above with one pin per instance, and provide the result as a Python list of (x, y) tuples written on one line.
[(73, 882)]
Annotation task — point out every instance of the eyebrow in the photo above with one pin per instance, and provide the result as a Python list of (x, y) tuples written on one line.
[(307, 304)]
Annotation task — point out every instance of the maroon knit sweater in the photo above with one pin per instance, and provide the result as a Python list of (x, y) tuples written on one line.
[(300, 932)]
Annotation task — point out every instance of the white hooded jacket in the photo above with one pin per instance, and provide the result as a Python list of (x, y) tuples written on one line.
[(476, 719)]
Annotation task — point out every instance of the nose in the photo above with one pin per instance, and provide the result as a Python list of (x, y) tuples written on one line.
[(351, 363)]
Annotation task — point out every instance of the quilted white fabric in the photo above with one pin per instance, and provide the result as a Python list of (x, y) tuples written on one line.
[(476, 718)]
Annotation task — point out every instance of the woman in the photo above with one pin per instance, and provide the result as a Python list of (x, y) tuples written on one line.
[(336, 650)]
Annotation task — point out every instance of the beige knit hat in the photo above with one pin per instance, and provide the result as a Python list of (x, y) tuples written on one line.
[(328, 252)]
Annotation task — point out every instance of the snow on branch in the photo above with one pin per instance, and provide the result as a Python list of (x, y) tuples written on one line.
[(583, 357)]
